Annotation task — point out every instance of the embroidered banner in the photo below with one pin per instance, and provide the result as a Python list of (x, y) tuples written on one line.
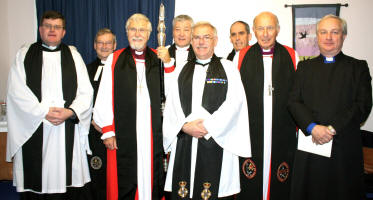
[(305, 18)]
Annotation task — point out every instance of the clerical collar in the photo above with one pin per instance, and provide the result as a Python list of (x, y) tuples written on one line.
[(138, 54), (268, 51), (50, 48), (186, 48), (203, 62), (329, 59)]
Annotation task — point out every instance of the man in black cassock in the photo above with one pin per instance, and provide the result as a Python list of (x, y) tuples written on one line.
[(128, 110), (331, 97), (240, 37), (104, 44), (267, 72)]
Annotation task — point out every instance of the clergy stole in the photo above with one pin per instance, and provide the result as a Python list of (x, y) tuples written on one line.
[(283, 127), (231, 55), (172, 52), (209, 153), (32, 150), (124, 105)]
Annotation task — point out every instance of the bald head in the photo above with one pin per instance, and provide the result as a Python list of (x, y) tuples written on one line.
[(266, 15), (266, 28)]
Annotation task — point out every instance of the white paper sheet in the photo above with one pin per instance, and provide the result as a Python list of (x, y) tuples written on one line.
[(305, 144)]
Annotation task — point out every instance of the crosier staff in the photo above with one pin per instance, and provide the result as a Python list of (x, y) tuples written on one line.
[(161, 36)]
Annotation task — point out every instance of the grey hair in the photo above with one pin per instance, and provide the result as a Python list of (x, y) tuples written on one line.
[(181, 18), (104, 31), (139, 17), (205, 24), (342, 22)]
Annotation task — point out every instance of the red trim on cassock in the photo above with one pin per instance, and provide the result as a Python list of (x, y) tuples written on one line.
[(111, 175), (106, 129), (241, 55), (292, 55), (269, 181), (111, 164), (154, 50), (169, 69)]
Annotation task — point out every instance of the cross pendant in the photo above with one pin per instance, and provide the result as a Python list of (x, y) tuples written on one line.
[(270, 90), (140, 87)]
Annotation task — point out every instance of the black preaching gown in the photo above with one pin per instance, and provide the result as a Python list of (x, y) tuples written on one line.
[(96, 161), (337, 94)]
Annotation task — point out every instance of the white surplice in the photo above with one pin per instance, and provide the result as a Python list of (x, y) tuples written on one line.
[(26, 113), (228, 126), (181, 54), (267, 114)]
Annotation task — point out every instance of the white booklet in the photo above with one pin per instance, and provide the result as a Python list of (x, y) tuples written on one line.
[(305, 144)]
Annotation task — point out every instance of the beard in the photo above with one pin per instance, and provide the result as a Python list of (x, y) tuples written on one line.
[(137, 44)]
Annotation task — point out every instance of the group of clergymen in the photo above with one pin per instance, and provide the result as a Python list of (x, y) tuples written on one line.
[(229, 128)]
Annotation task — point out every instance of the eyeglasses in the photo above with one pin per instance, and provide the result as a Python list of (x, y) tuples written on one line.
[(55, 27), (206, 38), (100, 43), (140, 30), (262, 28)]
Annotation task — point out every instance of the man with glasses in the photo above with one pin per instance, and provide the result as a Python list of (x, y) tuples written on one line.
[(104, 44), (240, 37), (205, 124), (267, 72), (128, 110), (49, 112)]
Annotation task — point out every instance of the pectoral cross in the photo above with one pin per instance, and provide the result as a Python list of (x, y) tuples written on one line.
[(270, 90), (140, 87)]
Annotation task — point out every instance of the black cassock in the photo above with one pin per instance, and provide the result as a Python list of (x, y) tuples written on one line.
[(283, 127), (231, 55), (337, 94), (96, 161)]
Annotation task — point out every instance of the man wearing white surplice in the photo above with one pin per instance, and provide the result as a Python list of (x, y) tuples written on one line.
[(49, 106), (205, 124)]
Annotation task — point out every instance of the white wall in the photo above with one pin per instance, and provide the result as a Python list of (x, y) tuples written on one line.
[(17, 18), (222, 14)]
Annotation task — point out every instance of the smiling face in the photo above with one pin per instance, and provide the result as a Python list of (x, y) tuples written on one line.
[(52, 31), (104, 45), (330, 37), (138, 34), (204, 41), (266, 29), (239, 36), (182, 33)]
